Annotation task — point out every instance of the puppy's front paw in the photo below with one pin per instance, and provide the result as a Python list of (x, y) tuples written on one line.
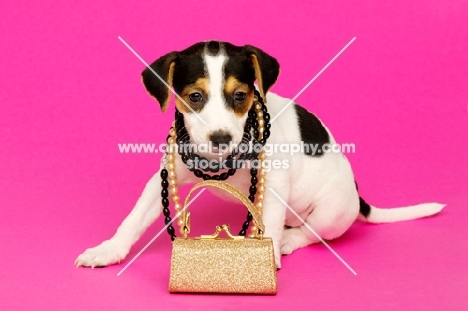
[(105, 254), (293, 238), (286, 244)]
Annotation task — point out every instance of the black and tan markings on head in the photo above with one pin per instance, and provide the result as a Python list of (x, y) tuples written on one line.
[(186, 71)]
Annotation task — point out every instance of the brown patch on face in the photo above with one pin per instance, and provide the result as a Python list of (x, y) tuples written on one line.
[(246, 107), (181, 106), (231, 87), (200, 86)]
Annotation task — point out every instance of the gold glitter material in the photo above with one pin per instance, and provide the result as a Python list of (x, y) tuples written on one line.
[(235, 265), (223, 266)]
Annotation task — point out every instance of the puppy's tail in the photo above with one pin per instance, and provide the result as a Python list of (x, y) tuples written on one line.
[(374, 214)]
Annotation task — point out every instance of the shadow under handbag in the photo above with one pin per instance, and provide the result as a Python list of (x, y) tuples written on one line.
[(235, 264)]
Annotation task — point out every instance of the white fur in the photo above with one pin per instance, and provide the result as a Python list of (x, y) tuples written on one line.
[(320, 189), (383, 215)]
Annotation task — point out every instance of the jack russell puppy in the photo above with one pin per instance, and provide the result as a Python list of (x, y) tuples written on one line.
[(214, 81)]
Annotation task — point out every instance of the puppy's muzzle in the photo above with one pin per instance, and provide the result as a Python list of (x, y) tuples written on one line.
[(219, 138)]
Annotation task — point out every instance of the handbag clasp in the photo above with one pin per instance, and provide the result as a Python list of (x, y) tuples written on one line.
[(220, 229)]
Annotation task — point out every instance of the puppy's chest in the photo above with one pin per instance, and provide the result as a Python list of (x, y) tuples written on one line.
[(240, 180)]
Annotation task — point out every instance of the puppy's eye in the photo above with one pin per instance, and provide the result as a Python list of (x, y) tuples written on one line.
[(195, 97), (240, 96)]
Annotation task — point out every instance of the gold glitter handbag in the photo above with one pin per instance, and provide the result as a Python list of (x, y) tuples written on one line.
[(235, 264)]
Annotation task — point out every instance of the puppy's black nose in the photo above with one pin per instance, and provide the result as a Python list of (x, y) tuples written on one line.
[(220, 137)]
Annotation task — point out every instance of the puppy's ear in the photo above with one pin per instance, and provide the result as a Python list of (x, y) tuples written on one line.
[(164, 67), (266, 68)]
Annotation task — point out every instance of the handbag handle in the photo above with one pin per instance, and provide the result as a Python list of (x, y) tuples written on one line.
[(256, 213)]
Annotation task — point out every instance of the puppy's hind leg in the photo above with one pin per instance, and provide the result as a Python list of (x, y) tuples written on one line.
[(329, 220), (145, 212)]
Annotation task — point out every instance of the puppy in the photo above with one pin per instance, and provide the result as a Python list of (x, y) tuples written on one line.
[(216, 82)]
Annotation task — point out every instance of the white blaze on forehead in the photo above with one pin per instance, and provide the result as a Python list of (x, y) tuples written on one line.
[(215, 71)]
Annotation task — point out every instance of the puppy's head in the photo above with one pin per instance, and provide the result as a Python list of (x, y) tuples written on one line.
[(216, 80)]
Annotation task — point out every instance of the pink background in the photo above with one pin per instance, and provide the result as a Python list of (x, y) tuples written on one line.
[(71, 91)]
